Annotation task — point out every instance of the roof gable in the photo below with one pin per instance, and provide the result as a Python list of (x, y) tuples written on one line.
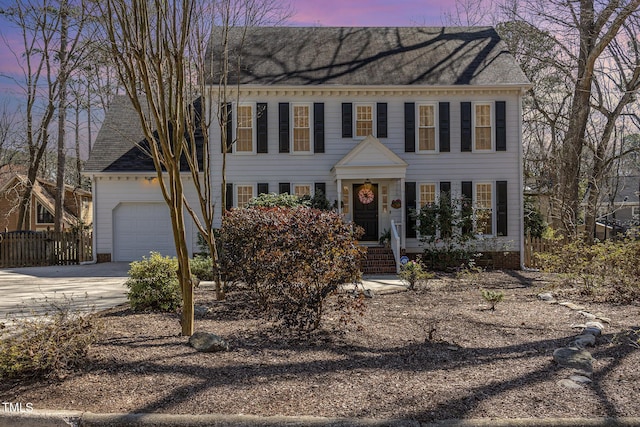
[(373, 158), (443, 56)]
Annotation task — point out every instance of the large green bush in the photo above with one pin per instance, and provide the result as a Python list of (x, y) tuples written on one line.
[(47, 346), (202, 267), (294, 259), (608, 269), (153, 284)]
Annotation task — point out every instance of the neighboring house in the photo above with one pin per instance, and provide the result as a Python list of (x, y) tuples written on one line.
[(365, 115), (78, 208), (620, 208)]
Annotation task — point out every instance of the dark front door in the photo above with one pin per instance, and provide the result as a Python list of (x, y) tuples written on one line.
[(365, 209)]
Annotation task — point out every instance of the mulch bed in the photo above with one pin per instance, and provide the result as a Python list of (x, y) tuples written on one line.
[(431, 354)]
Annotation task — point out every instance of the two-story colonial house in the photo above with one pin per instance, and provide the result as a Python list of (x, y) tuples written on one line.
[(381, 120)]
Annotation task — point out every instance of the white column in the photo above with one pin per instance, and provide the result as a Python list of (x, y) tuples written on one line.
[(403, 210), (339, 196)]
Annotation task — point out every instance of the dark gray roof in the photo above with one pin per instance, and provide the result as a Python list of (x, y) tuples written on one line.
[(442, 56), (117, 146)]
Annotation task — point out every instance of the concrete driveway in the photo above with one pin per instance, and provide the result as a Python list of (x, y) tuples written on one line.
[(32, 290)]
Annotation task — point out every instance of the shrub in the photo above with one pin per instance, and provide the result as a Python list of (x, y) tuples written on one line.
[(293, 259), (47, 346), (153, 284), (273, 200), (202, 267), (608, 268), (413, 274), (492, 297), (446, 231)]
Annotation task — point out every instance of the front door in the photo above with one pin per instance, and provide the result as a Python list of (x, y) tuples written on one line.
[(365, 209)]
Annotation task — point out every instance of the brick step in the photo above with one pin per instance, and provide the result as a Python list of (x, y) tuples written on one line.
[(379, 260)]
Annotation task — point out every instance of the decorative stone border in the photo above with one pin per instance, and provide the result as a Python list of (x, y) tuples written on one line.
[(575, 355)]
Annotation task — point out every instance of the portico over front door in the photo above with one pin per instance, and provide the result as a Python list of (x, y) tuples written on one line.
[(365, 209)]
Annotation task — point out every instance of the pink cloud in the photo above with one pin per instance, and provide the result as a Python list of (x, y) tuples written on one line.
[(369, 12)]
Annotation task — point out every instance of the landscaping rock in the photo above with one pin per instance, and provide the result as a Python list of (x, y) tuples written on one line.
[(571, 305), (588, 315), (593, 328), (580, 379), (567, 383), (571, 357), (547, 297), (207, 342), (582, 341)]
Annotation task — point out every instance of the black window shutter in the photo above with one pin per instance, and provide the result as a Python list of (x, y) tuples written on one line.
[(261, 128), (227, 110), (501, 207), (347, 120), (320, 186), (501, 126), (263, 188), (445, 202), (283, 126), (229, 196), (409, 127), (444, 127), (467, 206), (465, 126), (381, 111), (284, 187), (318, 127), (410, 195)]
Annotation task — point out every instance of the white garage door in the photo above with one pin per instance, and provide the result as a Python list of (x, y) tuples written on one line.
[(140, 228)]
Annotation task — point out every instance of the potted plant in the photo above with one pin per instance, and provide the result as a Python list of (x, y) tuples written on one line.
[(385, 238)]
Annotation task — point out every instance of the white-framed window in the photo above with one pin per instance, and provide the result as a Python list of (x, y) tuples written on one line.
[(483, 126), (426, 121), (427, 194), (364, 123), (301, 128), (301, 190), (384, 198), (245, 129), (43, 216), (345, 199), (483, 208), (244, 193)]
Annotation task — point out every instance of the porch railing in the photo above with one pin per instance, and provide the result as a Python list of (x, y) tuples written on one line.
[(395, 244)]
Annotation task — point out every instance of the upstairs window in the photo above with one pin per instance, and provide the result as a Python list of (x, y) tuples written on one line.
[(43, 216), (301, 128), (364, 120), (244, 130), (426, 127), (483, 127)]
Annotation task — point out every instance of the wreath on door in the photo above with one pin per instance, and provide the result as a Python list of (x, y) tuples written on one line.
[(365, 195)]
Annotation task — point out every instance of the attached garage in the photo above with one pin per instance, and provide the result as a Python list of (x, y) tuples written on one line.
[(139, 228)]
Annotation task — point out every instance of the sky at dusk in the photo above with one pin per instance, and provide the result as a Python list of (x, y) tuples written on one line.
[(343, 13)]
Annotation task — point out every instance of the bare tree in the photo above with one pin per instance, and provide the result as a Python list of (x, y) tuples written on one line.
[(38, 29)]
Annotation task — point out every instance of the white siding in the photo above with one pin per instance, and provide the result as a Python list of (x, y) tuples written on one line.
[(113, 192), (454, 166)]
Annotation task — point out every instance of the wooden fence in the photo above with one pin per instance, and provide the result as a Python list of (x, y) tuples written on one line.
[(37, 248), (536, 245)]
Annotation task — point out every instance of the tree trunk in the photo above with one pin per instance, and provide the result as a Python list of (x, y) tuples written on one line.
[(62, 117)]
